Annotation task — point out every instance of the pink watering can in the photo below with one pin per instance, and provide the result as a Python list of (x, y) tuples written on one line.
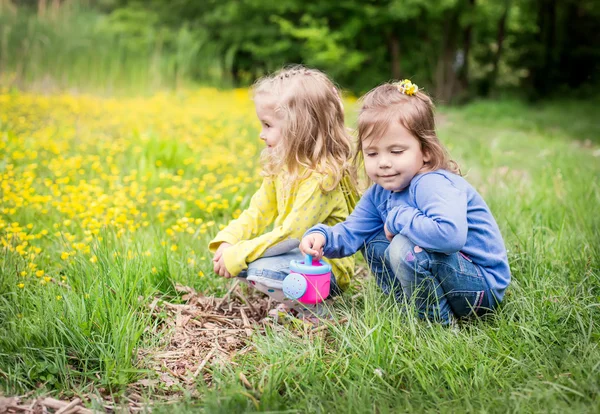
[(308, 282)]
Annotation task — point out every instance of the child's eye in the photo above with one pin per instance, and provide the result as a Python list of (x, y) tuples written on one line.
[(397, 151), (267, 125), (371, 154)]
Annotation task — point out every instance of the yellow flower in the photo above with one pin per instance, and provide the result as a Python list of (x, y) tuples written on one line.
[(174, 247), (21, 285), (58, 297), (406, 87), (200, 273), (39, 273), (93, 259), (64, 255)]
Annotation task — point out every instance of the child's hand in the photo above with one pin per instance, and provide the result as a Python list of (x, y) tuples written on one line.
[(219, 261), (388, 235), (220, 250), (221, 269), (313, 244)]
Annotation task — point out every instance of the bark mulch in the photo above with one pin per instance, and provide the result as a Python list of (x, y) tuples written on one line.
[(200, 332), (203, 330)]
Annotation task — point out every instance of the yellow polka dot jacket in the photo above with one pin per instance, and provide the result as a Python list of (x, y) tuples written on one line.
[(290, 211)]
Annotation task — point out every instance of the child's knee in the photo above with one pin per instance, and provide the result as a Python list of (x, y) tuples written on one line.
[(374, 252), (269, 268), (401, 253)]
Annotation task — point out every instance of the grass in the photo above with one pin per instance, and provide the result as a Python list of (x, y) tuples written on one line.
[(151, 180), (77, 48)]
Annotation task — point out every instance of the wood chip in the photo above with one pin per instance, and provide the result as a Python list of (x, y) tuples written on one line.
[(245, 381), (246, 301), (231, 289), (204, 362), (67, 407), (246, 323)]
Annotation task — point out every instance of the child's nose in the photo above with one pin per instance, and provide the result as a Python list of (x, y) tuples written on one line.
[(384, 162)]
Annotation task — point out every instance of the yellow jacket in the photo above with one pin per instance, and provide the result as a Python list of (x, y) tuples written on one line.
[(292, 212)]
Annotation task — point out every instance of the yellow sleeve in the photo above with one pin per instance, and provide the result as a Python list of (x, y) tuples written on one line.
[(309, 208), (253, 221)]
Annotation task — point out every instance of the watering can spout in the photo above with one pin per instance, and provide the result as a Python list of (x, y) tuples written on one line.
[(308, 260)]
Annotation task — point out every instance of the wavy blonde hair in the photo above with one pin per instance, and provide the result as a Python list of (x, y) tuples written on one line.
[(314, 137), (386, 104)]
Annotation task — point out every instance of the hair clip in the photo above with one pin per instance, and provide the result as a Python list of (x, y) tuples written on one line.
[(406, 87)]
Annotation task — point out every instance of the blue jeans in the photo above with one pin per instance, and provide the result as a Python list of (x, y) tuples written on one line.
[(442, 286), (267, 273)]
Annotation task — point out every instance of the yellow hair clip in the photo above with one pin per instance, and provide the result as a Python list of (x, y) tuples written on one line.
[(407, 87)]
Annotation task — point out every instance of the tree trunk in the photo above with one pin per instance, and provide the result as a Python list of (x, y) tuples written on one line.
[(445, 78), (500, 44), (541, 73), (55, 7), (463, 74), (41, 8), (394, 47)]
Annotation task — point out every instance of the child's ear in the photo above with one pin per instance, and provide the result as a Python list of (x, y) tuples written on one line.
[(426, 156)]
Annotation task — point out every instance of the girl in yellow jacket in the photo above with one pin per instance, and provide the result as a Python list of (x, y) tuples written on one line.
[(308, 179)]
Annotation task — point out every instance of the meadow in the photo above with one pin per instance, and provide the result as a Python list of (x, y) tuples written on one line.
[(109, 203)]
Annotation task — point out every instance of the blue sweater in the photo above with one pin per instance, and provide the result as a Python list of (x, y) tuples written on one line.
[(438, 211)]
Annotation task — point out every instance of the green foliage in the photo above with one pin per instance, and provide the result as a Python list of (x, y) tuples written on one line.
[(454, 48)]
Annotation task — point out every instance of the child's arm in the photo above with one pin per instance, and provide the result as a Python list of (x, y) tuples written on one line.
[(344, 239), (310, 207), (253, 221), (439, 223)]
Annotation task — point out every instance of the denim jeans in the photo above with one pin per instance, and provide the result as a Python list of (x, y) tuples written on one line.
[(266, 274), (442, 286)]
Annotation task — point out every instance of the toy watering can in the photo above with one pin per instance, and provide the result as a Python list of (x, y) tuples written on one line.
[(308, 282)]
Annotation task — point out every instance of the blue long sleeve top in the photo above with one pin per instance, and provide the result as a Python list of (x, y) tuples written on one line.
[(439, 211)]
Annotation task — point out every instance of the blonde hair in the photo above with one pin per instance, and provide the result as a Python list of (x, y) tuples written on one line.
[(314, 137), (386, 104)]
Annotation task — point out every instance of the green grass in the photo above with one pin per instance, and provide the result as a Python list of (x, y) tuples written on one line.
[(538, 353), (80, 49)]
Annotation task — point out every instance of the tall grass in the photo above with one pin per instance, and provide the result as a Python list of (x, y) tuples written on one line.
[(77, 48), (537, 168)]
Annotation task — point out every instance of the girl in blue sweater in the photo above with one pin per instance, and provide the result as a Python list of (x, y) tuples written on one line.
[(426, 233)]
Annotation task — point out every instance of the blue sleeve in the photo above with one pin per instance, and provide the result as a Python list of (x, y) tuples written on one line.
[(345, 238), (439, 222)]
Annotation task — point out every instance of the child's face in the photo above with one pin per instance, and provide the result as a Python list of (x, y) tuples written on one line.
[(270, 122), (393, 159)]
